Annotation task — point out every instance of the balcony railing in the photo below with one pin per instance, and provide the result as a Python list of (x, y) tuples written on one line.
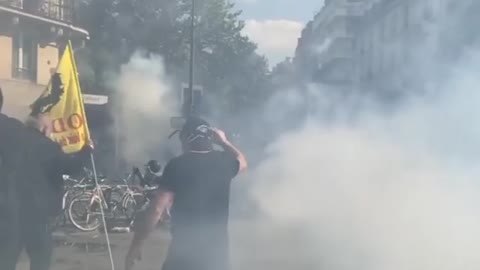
[(60, 10)]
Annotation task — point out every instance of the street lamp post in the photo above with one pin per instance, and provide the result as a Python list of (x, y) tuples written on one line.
[(188, 102)]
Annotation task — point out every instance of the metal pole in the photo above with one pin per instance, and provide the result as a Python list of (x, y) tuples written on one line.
[(107, 237), (189, 96), (116, 124)]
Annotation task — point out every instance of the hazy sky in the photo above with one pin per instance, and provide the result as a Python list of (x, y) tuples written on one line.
[(279, 9), (275, 25)]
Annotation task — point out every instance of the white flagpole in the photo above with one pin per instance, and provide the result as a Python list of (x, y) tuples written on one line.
[(97, 184), (110, 254)]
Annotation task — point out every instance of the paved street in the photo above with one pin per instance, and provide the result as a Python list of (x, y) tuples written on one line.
[(254, 247)]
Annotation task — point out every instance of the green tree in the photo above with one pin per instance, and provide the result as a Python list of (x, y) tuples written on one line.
[(226, 63), (283, 74)]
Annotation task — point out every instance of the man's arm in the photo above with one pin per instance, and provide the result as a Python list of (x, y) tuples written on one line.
[(153, 214), (229, 147), (147, 224), (222, 140)]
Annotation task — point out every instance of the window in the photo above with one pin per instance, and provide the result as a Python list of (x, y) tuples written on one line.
[(406, 16), (24, 61)]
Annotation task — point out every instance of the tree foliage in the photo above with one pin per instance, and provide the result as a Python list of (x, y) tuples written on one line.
[(226, 63)]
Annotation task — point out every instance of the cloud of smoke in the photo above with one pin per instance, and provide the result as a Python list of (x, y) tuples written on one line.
[(370, 200), (383, 191), (145, 101)]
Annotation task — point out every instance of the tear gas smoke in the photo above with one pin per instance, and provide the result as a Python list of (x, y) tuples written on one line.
[(354, 186), (144, 101), (373, 191)]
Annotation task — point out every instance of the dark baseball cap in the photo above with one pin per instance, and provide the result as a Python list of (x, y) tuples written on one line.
[(193, 123), (189, 125)]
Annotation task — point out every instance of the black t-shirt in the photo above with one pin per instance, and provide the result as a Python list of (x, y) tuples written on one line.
[(201, 184), (43, 182), (32, 166), (10, 159), (30, 159)]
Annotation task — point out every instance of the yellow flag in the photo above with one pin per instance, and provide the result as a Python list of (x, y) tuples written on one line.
[(62, 102)]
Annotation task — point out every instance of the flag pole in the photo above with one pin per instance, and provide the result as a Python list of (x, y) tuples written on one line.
[(92, 159)]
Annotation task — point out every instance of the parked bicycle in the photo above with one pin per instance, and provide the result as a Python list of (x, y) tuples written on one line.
[(84, 201), (73, 187), (117, 202)]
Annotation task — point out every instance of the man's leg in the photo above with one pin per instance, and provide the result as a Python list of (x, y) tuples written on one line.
[(39, 245), (10, 245)]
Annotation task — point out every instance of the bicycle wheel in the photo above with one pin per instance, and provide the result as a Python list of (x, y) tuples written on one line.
[(84, 212), (69, 195), (115, 213)]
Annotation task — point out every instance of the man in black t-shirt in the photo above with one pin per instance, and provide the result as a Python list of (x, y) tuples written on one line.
[(198, 183)]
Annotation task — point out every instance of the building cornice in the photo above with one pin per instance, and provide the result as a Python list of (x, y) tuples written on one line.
[(46, 20)]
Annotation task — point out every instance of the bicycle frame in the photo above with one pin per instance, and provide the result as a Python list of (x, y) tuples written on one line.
[(97, 195), (78, 185)]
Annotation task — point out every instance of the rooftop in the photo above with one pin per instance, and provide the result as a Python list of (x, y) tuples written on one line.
[(54, 12), (59, 10)]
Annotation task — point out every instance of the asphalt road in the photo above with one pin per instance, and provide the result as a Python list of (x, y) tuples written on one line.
[(254, 246)]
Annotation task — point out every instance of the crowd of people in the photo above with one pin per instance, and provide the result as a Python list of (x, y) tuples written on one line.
[(197, 182)]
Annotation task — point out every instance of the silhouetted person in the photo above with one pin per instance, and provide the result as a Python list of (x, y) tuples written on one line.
[(198, 182), (12, 166), (32, 170)]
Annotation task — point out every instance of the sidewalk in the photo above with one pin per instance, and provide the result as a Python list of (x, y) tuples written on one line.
[(253, 247), (88, 251)]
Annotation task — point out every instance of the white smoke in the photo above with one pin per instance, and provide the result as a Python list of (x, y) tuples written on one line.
[(372, 201), (145, 101), (397, 191)]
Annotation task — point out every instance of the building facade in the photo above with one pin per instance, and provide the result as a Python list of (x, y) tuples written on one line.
[(32, 36), (372, 45), (302, 60), (392, 38), (326, 47)]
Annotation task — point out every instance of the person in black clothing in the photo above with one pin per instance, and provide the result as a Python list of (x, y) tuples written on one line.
[(150, 175), (198, 182), (32, 186)]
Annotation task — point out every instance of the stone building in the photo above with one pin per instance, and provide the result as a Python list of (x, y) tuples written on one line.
[(32, 35), (391, 40), (374, 45), (326, 47)]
